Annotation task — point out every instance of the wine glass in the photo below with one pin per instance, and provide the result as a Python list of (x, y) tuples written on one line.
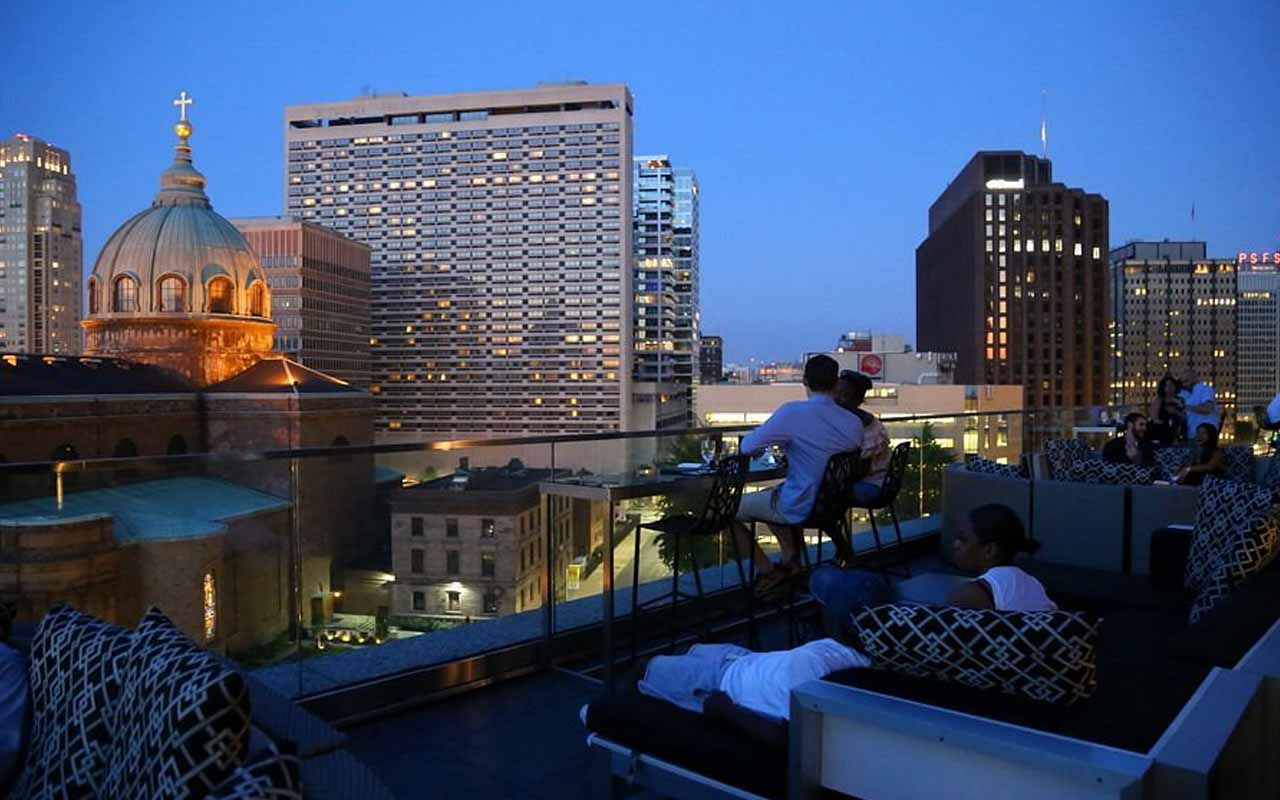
[(708, 451)]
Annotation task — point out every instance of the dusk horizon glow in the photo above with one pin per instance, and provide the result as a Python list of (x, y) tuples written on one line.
[(820, 133)]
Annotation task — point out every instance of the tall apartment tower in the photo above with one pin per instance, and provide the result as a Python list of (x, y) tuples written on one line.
[(665, 237), (1173, 308), (1257, 336), (499, 227), (40, 249), (1013, 279), (319, 283), (710, 359)]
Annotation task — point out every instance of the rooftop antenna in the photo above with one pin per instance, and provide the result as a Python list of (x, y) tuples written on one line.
[(1044, 124)]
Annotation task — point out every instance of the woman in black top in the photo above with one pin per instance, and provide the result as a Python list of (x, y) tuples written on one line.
[(1209, 459), (1168, 417)]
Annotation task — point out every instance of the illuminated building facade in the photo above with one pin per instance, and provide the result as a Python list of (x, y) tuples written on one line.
[(710, 359), (499, 227), (1174, 307), (319, 283), (665, 238), (1013, 279), (1257, 335), (40, 249)]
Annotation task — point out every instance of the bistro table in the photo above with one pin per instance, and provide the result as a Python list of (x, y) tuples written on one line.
[(614, 489)]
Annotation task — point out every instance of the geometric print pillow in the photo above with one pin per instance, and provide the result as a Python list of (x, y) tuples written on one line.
[(986, 466), (77, 670), (182, 727), (1247, 550), (1049, 656), (272, 776), (1062, 453), (1171, 460), (1105, 472), (1226, 513)]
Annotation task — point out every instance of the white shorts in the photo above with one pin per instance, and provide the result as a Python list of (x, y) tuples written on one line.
[(760, 507)]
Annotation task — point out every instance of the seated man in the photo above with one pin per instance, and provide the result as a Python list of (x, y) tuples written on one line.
[(1131, 447), (14, 699), (754, 689), (811, 431)]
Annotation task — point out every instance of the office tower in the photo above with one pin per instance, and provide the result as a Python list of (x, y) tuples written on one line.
[(710, 359), (499, 227), (319, 283), (1173, 308), (40, 249), (1013, 279), (665, 238), (1257, 335)]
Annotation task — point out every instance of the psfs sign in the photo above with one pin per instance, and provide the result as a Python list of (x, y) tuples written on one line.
[(1264, 257)]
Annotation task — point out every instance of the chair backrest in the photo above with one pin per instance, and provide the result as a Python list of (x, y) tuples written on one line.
[(835, 493), (897, 471), (726, 492)]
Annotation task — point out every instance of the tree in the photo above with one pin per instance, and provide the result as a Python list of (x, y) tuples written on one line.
[(928, 458)]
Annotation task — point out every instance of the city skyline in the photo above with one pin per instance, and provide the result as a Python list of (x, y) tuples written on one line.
[(1174, 135)]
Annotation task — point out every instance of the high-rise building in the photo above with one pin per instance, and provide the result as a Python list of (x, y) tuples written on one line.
[(1013, 279), (40, 249), (1257, 336), (665, 238), (710, 359), (499, 225), (1173, 307), (319, 283)]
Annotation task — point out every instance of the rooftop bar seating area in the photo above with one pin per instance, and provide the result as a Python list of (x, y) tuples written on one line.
[(475, 619)]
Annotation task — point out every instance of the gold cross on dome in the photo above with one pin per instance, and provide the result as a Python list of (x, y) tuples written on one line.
[(182, 102)]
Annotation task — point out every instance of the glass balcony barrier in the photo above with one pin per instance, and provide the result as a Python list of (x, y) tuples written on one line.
[(332, 566)]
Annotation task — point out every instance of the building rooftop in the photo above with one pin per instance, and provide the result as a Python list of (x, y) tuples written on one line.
[(281, 375), (32, 375), (511, 478), (174, 508)]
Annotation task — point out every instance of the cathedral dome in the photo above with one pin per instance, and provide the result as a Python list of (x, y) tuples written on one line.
[(178, 257), (177, 286)]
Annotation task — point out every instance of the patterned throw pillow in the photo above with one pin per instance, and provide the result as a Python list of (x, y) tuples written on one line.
[(273, 776), (1171, 460), (183, 723), (1048, 656), (986, 466), (77, 671), (1062, 453), (1106, 472), (1239, 461), (1227, 510)]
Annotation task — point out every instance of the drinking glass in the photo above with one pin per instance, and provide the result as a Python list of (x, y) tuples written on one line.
[(708, 451)]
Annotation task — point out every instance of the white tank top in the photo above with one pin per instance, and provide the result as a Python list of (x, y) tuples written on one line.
[(1014, 590)]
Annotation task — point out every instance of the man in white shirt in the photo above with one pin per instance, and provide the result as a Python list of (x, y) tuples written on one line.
[(811, 431), (1202, 403)]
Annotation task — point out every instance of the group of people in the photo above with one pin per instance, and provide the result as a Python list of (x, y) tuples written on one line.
[(1179, 410), (752, 689)]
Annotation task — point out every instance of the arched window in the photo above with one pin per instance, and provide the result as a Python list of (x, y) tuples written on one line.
[(258, 300), (64, 452), (124, 297), (220, 301), (125, 448), (93, 296), (173, 294), (210, 592), (177, 445)]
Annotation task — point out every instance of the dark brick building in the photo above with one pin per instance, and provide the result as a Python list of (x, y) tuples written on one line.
[(1013, 277)]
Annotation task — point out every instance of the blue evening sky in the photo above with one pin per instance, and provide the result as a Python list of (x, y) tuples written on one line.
[(820, 132)]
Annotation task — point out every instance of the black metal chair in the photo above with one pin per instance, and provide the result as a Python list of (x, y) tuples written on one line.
[(829, 515), (717, 512), (888, 496)]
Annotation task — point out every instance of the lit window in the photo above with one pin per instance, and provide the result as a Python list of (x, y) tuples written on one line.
[(220, 290), (210, 606), (258, 300), (125, 295), (455, 600)]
